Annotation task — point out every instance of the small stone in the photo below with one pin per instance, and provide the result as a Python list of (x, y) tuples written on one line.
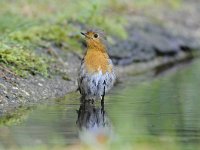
[(2, 86), (40, 84), (15, 88), (25, 92), (5, 92)]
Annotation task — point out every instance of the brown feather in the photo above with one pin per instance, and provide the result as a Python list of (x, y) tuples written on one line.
[(96, 57)]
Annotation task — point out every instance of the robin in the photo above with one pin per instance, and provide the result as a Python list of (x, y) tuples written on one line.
[(96, 75)]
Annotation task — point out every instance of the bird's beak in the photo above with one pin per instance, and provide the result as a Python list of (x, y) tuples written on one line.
[(85, 35)]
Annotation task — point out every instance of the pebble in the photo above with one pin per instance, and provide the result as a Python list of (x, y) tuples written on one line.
[(40, 84), (25, 92)]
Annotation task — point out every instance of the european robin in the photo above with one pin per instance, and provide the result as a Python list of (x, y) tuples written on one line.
[(96, 74)]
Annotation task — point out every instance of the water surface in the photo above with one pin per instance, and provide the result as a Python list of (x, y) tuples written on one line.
[(144, 112)]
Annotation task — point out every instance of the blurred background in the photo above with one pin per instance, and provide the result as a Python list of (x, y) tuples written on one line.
[(138, 30), (154, 45)]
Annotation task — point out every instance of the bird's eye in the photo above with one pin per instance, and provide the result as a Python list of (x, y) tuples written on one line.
[(95, 35)]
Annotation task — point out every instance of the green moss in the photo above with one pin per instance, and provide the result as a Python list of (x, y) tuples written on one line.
[(33, 24), (9, 22), (61, 25), (55, 33), (147, 3), (38, 33), (22, 61), (97, 14)]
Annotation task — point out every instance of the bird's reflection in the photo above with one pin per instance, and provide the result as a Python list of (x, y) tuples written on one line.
[(94, 126)]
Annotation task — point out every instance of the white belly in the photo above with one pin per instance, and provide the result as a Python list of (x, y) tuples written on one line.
[(92, 85)]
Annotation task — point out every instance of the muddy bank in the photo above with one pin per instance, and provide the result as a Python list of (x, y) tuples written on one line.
[(154, 39), (16, 91)]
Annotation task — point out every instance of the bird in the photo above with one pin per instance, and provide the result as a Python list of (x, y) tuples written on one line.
[(96, 74)]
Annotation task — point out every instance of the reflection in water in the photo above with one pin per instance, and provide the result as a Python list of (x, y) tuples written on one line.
[(94, 126), (7, 140), (146, 114)]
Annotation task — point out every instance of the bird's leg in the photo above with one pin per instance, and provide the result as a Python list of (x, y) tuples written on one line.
[(104, 92), (102, 100), (102, 104), (103, 112)]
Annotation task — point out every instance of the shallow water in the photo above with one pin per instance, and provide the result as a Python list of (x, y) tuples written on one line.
[(144, 112)]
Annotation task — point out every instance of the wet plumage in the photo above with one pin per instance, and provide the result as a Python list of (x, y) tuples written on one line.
[(96, 75)]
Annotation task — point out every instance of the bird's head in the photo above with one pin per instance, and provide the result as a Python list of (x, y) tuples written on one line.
[(94, 39)]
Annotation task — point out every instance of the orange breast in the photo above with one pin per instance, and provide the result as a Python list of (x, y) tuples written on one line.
[(97, 60)]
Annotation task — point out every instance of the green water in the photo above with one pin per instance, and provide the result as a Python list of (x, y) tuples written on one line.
[(143, 113)]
